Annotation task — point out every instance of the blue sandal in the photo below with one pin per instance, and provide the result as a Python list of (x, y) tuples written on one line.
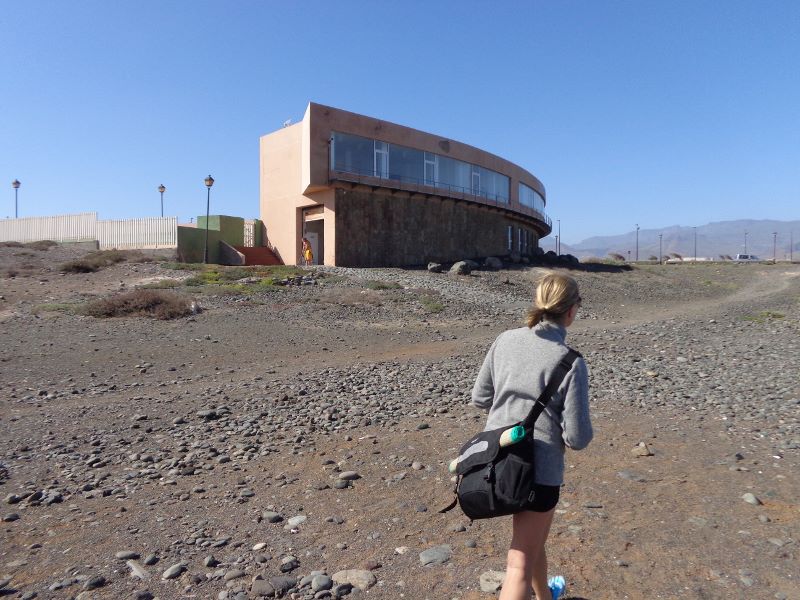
[(557, 586)]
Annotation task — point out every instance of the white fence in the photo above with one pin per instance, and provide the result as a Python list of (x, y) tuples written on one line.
[(62, 228), (153, 232)]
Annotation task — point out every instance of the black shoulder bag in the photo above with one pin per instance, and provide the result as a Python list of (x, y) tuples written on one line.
[(495, 480)]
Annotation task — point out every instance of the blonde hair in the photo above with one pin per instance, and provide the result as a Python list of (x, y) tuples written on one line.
[(555, 295)]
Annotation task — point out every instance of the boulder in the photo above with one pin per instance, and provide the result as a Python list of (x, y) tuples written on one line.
[(492, 262), (461, 268), (434, 267)]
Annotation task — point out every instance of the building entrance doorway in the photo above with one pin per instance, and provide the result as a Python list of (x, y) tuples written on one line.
[(314, 232)]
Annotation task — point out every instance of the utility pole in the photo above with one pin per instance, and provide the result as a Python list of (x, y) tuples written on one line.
[(660, 253), (745, 242), (695, 244), (637, 242), (774, 245)]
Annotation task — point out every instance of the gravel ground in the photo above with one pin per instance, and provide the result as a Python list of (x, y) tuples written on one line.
[(293, 440)]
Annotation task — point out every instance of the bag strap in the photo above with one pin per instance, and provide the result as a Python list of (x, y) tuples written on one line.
[(564, 366)]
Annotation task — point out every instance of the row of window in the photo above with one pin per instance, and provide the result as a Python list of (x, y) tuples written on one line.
[(531, 198), (374, 158), (524, 240)]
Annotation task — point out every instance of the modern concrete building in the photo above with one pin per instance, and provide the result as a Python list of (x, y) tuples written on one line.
[(367, 192)]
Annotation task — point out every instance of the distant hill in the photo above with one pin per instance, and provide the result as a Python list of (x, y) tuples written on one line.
[(713, 240)]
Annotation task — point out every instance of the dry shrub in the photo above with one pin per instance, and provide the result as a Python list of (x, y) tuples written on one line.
[(10, 245), (147, 303), (94, 261), (41, 245)]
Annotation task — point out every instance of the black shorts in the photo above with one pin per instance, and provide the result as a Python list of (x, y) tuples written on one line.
[(545, 499)]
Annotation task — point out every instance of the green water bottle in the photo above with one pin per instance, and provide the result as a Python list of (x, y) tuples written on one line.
[(512, 435)]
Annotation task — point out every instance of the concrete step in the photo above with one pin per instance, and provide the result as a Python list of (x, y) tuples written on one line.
[(259, 256)]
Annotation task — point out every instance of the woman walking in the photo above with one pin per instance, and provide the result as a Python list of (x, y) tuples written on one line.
[(514, 373)]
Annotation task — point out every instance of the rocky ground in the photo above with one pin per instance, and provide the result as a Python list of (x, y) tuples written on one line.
[(293, 440)]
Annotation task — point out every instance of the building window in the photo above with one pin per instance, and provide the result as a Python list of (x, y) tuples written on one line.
[(531, 198), (510, 236), (381, 160), (519, 239), (431, 169), (374, 158)]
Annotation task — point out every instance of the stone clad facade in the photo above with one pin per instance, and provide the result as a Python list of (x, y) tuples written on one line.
[(366, 192)]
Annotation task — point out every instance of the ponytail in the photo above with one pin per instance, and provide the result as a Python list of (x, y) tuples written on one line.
[(555, 295)]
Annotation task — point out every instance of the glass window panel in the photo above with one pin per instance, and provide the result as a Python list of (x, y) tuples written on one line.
[(405, 164), (353, 154)]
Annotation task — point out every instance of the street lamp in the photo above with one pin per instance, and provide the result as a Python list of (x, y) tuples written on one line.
[(660, 253), (558, 238), (209, 182), (637, 243), (15, 184), (695, 243), (161, 190)]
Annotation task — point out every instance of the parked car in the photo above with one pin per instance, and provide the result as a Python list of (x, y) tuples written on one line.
[(746, 258)]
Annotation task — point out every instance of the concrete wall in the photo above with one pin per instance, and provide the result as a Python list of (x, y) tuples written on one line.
[(280, 164), (381, 229), (191, 240)]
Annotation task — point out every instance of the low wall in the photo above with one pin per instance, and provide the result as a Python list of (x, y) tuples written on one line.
[(191, 242)]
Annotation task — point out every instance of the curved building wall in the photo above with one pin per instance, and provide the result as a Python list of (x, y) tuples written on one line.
[(373, 193)]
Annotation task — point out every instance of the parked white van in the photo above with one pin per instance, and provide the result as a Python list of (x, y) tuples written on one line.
[(746, 258)]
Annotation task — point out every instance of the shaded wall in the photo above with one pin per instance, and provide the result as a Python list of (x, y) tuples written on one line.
[(379, 229), (191, 240)]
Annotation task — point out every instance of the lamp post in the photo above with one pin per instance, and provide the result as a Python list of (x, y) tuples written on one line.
[(774, 245), (637, 243), (558, 238), (695, 243), (161, 190), (660, 253), (209, 182), (15, 184)]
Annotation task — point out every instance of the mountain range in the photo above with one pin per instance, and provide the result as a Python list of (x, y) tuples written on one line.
[(713, 240)]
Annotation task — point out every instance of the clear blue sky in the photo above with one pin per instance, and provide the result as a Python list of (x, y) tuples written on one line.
[(648, 112)]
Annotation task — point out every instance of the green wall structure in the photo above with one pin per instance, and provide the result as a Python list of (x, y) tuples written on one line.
[(191, 240)]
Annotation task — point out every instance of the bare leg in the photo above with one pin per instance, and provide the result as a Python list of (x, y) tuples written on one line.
[(540, 587), (527, 564)]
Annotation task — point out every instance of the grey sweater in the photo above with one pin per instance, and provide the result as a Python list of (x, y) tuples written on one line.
[(515, 371)]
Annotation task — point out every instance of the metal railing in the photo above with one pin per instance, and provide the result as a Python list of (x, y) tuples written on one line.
[(428, 186)]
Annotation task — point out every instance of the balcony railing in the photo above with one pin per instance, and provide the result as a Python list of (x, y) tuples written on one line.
[(427, 186)]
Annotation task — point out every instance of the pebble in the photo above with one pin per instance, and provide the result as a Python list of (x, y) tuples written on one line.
[(358, 578), (435, 556), (94, 582), (492, 581), (174, 571), (137, 570), (751, 499)]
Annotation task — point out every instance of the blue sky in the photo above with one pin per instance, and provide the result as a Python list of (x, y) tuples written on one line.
[(650, 112)]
